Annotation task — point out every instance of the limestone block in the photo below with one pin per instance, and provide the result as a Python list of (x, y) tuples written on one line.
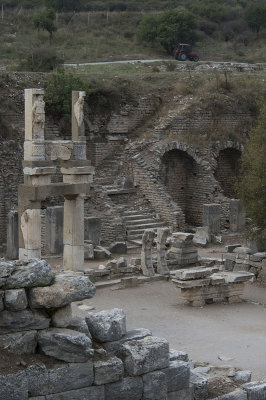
[(242, 250), (73, 258), (54, 218), (186, 394), (79, 324), (242, 376), (25, 254), (130, 388), (255, 390), (183, 237), (231, 247), (121, 263), (146, 252), (39, 170), (12, 235), (108, 371), (100, 253), (66, 289), (19, 342), (31, 229), (191, 284), (237, 216), (78, 128), (162, 235), (107, 325), (145, 355), (40, 180), (34, 150), (235, 395), (91, 393), (25, 274), (195, 273), (177, 375), (59, 149), (229, 265), (134, 334), (211, 217), (92, 230), (25, 320), (74, 221), (62, 316), (231, 277), (72, 376), (65, 344), (79, 150), (14, 386), (154, 386), (15, 299), (118, 248), (88, 251), (202, 236), (199, 384), (37, 377), (176, 355), (78, 179)]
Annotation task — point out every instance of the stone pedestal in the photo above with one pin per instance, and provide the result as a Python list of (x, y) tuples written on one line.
[(54, 229), (237, 216), (162, 234), (182, 251), (146, 252), (74, 233), (30, 223), (92, 230), (211, 217), (12, 235)]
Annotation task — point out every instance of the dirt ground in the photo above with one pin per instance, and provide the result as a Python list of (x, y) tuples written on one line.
[(233, 332)]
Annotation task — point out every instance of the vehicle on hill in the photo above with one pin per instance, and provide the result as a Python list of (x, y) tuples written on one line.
[(184, 52)]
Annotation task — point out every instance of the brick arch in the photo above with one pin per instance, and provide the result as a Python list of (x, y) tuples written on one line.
[(185, 181), (228, 170)]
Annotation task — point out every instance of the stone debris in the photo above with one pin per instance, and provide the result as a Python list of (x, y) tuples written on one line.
[(162, 235), (182, 251), (108, 325), (216, 287), (146, 252)]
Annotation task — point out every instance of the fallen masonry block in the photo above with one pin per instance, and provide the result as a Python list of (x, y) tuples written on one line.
[(155, 386), (255, 390), (195, 273), (107, 325), (177, 375)]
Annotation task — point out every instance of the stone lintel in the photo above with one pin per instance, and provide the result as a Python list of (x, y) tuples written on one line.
[(75, 163), (39, 170), (35, 193), (78, 170), (37, 164)]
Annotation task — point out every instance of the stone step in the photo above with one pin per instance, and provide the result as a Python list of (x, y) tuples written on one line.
[(131, 238), (141, 221), (135, 212), (138, 216), (141, 228)]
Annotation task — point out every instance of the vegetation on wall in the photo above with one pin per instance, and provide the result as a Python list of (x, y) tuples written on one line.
[(252, 188)]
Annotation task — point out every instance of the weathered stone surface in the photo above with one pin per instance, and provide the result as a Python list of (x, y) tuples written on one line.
[(202, 236), (15, 299), (25, 320), (70, 377), (2, 293), (162, 235), (231, 277), (255, 390), (14, 386), (107, 325), (235, 395), (184, 394), (242, 376), (100, 253), (37, 376), (229, 265), (192, 283), (175, 355), (154, 386), (19, 342), (145, 355), (118, 248), (66, 289), (195, 273), (88, 251), (127, 389), (65, 344), (134, 334), (183, 237), (121, 263), (62, 316), (79, 324), (91, 393), (146, 252), (242, 250), (199, 384), (231, 247), (177, 375), (108, 371), (21, 274)]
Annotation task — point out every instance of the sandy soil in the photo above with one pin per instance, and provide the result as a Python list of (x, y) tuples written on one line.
[(235, 332)]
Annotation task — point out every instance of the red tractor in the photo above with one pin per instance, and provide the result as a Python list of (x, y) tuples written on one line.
[(184, 52)]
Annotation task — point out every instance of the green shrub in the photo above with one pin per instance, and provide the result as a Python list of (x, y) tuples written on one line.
[(41, 60)]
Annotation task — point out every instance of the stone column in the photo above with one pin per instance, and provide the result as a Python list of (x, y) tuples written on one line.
[(34, 145), (54, 229), (146, 252), (74, 233), (211, 217), (237, 216), (30, 242), (12, 235), (162, 234)]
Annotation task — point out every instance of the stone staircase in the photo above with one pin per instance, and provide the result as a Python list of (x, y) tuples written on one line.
[(136, 221)]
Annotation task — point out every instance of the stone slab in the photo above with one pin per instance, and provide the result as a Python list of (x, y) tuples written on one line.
[(192, 283), (134, 334), (91, 393), (25, 320), (19, 342), (14, 386), (108, 371), (107, 325), (195, 273), (177, 375), (154, 386), (130, 388)]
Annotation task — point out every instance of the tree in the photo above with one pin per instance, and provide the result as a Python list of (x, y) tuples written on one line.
[(255, 16), (168, 28), (252, 188), (64, 5), (45, 20)]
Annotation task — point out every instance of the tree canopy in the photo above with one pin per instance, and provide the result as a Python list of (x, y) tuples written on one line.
[(168, 29), (45, 20), (255, 16), (252, 188)]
